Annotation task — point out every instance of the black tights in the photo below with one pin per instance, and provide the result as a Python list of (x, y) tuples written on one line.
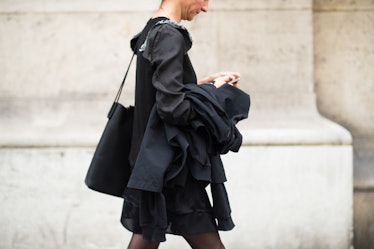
[(209, 240)]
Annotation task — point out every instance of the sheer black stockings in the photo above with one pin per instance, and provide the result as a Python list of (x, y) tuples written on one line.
[(209, 240), (137, 242)]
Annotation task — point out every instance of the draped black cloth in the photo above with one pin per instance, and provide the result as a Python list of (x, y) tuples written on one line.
[(170, 153)]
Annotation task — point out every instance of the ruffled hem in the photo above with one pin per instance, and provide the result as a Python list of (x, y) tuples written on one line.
[(183, 217), (179, 224)]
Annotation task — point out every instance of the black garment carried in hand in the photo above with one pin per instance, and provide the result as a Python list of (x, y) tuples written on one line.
[(109, 170), (167, 148), (171, 155)]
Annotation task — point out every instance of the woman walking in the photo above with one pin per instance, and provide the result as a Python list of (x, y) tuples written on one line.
[(166, 192)]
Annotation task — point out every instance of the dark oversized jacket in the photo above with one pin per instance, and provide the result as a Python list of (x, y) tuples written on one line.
[(168, 152), (162, 71)]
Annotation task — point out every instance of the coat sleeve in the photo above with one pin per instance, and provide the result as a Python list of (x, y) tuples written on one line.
[(166, 51)]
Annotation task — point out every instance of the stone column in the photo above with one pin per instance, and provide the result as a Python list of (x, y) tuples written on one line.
[(344, 59), (290, 185)]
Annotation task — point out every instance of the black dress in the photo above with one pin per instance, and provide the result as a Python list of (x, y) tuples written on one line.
[(163, 68)]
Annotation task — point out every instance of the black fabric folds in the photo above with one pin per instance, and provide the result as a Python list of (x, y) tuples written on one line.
[(168, 154)]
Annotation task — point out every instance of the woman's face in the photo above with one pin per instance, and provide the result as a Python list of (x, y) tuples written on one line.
[(191, 8)]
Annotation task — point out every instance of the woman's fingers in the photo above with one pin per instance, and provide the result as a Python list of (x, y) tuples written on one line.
[(221, 76)]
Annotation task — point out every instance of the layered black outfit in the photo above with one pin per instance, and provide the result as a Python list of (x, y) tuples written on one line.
[(180, 129)]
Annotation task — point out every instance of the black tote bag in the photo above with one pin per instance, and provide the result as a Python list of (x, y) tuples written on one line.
[(109, 170)]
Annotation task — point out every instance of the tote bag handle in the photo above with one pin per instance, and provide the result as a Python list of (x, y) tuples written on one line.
[(112, 109)]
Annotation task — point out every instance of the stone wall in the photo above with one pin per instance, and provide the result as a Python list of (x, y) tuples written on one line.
[(62, 62)]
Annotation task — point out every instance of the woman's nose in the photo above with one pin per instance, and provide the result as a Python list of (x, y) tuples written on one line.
[(205, 7)]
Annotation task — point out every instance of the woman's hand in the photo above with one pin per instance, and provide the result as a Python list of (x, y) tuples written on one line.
[(221, 78)]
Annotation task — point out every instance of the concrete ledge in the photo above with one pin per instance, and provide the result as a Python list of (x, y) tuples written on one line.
[(303, 131), (68, 125), (298, 132), (53, 123), (274, 120)]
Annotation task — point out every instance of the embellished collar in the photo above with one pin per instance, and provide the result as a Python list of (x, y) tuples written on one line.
[(180, 27)]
